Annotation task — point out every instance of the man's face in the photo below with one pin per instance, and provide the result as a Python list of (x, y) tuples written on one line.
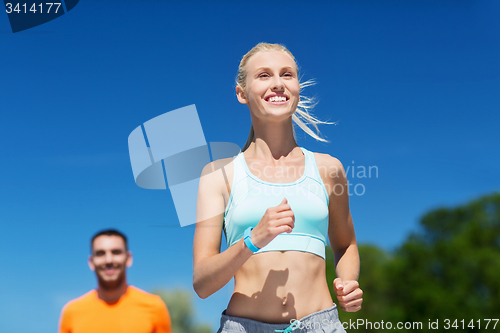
[(109, 260)]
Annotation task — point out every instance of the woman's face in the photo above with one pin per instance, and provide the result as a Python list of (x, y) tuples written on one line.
[(272, 91)]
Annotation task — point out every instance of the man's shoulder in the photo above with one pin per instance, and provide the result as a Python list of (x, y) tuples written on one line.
[(144, 296), (80, 302)]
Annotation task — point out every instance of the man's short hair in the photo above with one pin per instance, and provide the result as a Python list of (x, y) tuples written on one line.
[(108, 232)]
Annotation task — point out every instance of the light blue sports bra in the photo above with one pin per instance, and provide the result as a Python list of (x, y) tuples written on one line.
[(307, 197)]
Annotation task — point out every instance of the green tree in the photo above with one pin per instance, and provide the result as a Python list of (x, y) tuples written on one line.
[(181, 311), (449, 269), (373, 280)]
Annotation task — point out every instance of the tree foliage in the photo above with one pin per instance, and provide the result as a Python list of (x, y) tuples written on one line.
[(449, 269), (181, 311)]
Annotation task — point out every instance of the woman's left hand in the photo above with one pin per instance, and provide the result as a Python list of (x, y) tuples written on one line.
[(348, 294)]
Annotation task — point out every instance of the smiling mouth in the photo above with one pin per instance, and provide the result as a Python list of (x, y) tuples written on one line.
[(110, 270), (277, 99)]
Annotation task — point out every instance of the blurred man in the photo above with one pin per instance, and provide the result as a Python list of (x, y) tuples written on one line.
[(114, 307)]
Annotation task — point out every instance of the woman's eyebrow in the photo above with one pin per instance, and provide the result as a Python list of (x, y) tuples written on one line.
[(263, 68), (268, 68)]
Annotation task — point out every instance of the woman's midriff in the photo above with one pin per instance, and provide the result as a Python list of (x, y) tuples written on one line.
[(278, 286)]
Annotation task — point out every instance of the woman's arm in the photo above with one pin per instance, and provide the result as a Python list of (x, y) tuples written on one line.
[(212, 270), (341, 234)]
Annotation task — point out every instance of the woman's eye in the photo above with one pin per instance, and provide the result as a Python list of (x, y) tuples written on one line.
[(288, 74), (263, 75)]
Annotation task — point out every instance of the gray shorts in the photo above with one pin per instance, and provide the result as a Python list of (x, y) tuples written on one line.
[(324, 321)]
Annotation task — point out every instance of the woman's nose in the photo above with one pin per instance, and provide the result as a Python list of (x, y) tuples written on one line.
[(277, 84)]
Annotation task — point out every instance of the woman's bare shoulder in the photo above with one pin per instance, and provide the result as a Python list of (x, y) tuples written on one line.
[(213, 192), (330, 169), (219, 172), (327, 162)]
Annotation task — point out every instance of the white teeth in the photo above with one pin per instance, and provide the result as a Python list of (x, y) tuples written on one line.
[(277, 99)]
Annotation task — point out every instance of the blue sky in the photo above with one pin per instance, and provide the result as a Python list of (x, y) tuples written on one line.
[(412, 85)]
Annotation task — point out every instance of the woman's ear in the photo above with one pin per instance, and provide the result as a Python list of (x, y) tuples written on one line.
[(241, 95)]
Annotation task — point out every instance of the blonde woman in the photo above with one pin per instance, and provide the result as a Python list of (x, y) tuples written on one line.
[(277, 204)]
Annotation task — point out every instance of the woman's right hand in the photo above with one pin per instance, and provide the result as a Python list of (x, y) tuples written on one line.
[(275, 221)]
